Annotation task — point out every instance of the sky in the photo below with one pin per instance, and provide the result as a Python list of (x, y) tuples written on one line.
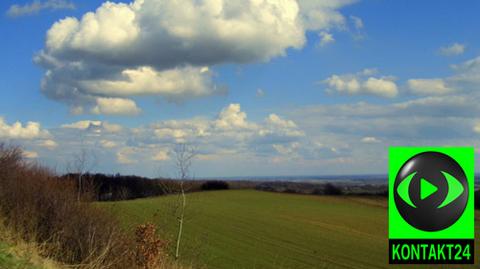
[(257, 88)]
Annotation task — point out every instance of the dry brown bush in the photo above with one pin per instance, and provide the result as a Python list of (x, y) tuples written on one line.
[(149, 248), (44, 209)]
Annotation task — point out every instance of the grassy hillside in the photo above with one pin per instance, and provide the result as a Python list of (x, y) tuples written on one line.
[(251, 229)]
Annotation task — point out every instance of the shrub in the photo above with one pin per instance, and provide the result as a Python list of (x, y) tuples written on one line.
[(215, 185), (42, 208), (149, 248)]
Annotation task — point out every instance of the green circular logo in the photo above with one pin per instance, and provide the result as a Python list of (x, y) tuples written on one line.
[(431, 191)]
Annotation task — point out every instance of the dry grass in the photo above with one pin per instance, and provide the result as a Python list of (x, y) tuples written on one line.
[(32, 255), (23, 254)]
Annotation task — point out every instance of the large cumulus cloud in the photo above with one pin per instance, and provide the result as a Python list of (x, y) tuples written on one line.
[(165, 47)]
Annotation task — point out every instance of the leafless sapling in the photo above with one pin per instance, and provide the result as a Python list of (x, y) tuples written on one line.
[(183, 157)]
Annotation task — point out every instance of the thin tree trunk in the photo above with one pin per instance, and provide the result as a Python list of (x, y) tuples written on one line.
[(180, 221)]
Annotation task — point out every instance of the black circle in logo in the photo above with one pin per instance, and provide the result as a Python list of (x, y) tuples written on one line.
[(427, 211)]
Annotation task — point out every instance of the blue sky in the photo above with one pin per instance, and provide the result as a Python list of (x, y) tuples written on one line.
[(292, 88)]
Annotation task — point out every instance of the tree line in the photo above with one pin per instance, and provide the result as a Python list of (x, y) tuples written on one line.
[(116, 187)]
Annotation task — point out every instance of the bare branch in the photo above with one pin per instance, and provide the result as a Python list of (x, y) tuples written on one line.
[(184, 155), (82, 163)]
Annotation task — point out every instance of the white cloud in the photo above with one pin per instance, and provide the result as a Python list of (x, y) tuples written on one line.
[(181, 28), (232, 117), (229, 130), (17, 130), (452, 50), (161, 155), (417, 121), (49, 144), (276, 128), (288, 149), (325, 39), (178, 135), (230, 133), (467, 72), (124, 155), (349, 85), (324, 137), (318, 15), (384, 87), (173, 84), (369, 72), (370, 139), (476, 128), (464, 81), (435, 86), (359, 132), (274, 124), (177, 131), (107, 144), (30, 154), (217, 155), (275, 120), (164, 48), (84, 124), (115, 106), (36, 6), (94, 126), (362, 83)]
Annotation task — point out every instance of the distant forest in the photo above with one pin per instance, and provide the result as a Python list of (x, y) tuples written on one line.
[(116, 187)]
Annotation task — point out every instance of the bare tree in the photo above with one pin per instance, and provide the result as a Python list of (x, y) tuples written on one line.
[(183, 157), (82, 163)]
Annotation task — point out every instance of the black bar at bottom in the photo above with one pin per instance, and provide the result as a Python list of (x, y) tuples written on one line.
[(419, 251)]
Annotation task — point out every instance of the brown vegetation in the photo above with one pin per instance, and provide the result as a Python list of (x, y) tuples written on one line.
[(149, 247), (43, 208)]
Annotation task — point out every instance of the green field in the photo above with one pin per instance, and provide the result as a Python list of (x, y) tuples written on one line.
[(252, 229)]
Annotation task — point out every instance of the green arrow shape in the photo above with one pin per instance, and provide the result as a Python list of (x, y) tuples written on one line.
[(402, 189), (455, 189), (426, 188)]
